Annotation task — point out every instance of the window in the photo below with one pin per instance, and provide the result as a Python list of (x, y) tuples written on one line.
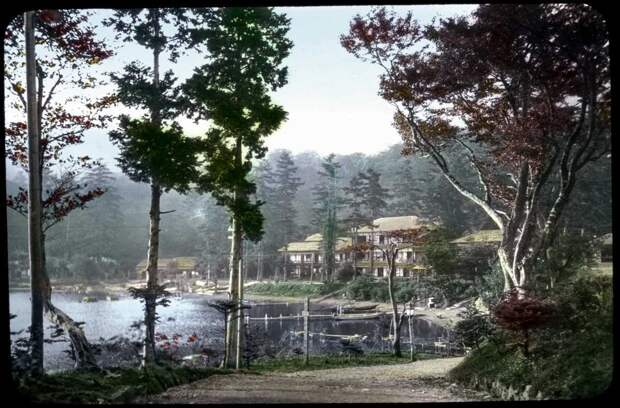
[(381, 239), (379, 272), (406, 273), (409, 255)]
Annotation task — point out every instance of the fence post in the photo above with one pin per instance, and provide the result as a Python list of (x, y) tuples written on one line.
[(410, 321), (306, 314)]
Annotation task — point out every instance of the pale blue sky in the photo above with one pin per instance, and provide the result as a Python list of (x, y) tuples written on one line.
[(331, 96)]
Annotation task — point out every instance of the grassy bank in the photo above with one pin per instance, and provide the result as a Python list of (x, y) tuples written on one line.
[(113, 386), (292, 364), (570, 358), (292, 289)]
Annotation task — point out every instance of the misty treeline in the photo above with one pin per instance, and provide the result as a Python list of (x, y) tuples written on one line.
[(108, 238)]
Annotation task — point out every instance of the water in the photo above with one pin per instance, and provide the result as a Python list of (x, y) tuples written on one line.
[(192, 315)]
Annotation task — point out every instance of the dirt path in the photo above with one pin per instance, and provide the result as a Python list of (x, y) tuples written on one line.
[(422, 381)]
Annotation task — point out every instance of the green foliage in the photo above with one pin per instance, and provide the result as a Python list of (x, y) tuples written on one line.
[(246, 47), (571, 358), (327, 202), (345, 273), (110, 386), (151, 153), (474, 328), (329, 361), (292, 289), (440, 254), (571, 254), (367, 288)]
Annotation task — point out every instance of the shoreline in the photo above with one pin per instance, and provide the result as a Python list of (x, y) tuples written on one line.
[(442, 317)]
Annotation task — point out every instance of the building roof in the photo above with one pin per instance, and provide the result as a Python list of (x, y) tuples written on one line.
[(481, 237), (314, 244), (182, 263), (395, 224), (314, 237)]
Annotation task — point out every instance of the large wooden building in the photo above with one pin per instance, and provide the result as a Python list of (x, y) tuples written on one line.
[(304, 256)]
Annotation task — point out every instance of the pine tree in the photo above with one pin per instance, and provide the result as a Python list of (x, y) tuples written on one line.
[(102, 216), (267, 247), (154, 149), (327, 202), (284, 190), (355, 200), (246, 48), (407, 196)]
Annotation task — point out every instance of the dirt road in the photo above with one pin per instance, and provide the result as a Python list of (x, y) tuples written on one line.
[(422, 381)]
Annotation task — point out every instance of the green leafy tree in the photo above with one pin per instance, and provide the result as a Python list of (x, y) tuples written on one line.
[(246, 48)]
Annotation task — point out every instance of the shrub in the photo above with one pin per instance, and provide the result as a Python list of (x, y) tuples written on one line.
[(474, 328), (345, 273)]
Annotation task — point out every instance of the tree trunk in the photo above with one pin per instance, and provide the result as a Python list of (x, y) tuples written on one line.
[(35, 234), (233, 317), (152, 276), (239, 354), (396, 322)]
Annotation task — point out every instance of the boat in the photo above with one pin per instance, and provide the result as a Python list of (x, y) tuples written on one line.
[(359, 316), (355, 309)]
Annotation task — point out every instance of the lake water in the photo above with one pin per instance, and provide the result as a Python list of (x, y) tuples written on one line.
[(192, 315)]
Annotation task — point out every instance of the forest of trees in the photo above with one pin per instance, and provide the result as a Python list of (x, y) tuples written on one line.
[(199, 226)]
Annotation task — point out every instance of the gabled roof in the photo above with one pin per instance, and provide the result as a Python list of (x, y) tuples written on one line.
[(490, 236), (395, 223), (313, 245), (182, 263)]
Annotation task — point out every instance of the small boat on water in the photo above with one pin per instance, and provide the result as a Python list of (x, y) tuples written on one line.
[(357, 309), (359, 316)]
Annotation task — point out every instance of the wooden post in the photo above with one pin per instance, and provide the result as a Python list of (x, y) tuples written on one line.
[(306, 314), (410, 319)]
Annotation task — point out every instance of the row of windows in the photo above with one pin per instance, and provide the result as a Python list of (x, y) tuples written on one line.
[(380, 256)]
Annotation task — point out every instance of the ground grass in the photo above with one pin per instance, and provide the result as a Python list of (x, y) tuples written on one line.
[(113, 386), (321, 362), (292, 289)]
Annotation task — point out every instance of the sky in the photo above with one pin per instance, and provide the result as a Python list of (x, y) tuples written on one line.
[(331, 97)]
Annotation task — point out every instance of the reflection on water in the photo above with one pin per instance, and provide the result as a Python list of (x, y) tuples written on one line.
[(191, 314)]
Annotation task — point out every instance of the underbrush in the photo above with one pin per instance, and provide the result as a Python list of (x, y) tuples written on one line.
[(110, 386), (570, 358), (293, 289)]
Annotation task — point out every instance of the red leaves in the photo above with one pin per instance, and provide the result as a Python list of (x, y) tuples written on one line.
[(521, 313)]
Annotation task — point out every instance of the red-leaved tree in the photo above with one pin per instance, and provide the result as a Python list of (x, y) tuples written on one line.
[(524, 90), (66, 50)]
